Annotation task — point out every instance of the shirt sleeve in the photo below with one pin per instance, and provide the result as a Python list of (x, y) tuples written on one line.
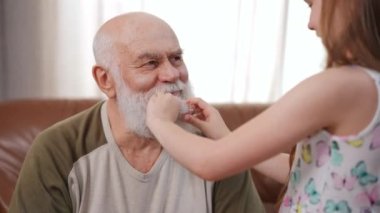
[(41, 186), (237, 194)]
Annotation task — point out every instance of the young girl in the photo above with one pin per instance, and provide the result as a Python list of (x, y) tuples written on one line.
[(336, 115)]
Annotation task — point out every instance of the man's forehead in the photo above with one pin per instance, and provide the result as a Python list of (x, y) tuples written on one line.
[(120, 46), (150, 52)]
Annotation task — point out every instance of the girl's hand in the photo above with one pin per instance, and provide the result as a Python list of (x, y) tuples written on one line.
[(206, 118), (162, 107)]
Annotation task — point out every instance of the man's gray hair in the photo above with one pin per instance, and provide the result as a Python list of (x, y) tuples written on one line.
[(103, 49)]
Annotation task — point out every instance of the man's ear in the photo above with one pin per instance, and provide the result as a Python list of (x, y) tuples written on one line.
[(104, 80)]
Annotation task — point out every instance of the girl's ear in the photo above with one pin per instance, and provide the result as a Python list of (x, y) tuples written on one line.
[(104, 80)]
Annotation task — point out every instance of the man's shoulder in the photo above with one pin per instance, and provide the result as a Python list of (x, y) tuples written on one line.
[(82, 130), (87, 117)]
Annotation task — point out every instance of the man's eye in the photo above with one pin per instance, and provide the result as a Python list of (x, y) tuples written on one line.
[(151, 64), (177, 60)]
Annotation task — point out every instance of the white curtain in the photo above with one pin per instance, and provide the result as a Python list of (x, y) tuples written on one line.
[(259, 50), (236, 51)]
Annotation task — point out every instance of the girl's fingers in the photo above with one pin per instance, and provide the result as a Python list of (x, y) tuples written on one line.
[(197, 102), (193, 120), (200, 107)]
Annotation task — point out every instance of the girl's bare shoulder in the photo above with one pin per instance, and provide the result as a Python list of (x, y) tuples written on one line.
[(343, 78)]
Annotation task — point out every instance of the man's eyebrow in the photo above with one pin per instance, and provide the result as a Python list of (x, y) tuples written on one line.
[(152, 55), (148, 55), (177, 52)]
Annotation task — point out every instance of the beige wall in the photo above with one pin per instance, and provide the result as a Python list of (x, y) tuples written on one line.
[(21, 37), (20, 27), (42, 54)]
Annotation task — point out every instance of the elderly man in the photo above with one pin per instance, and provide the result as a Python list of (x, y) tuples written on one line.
[(105, 159)]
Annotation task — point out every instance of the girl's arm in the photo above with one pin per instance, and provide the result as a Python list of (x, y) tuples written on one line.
[(276, 167), (309, 107), (211, 123)]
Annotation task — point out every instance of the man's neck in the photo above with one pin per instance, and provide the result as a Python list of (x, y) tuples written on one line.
[(141, 153)]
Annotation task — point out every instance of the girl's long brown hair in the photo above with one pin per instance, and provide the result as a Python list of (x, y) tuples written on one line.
[(350, 32)]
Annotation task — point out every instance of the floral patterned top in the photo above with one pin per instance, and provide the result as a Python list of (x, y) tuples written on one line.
[(337, 174)]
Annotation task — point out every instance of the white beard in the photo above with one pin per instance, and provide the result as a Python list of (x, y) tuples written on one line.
[(132, 106)]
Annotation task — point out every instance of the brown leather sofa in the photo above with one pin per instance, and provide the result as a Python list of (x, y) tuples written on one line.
[(22, 120)]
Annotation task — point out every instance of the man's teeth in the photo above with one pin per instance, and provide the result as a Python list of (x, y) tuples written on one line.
[(176, 93), (184, 108)]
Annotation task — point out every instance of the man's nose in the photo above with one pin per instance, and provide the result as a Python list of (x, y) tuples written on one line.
[(169, 73)]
